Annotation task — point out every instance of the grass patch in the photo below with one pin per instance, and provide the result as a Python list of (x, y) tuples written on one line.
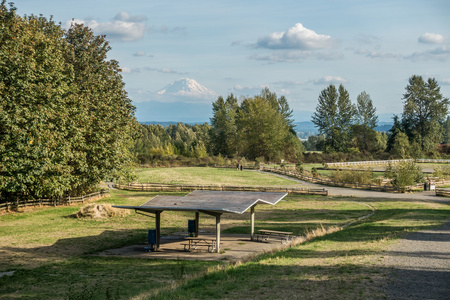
[(341, 265), (48, 250), (210, 176)]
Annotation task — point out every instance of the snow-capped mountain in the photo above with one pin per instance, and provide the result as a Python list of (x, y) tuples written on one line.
[(188, 88)]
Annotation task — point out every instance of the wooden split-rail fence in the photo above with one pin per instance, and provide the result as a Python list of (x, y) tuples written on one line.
[(318, 180), (155, 187), (382, 162), (13, 205)]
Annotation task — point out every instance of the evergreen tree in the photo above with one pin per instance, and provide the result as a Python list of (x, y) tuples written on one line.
[(424, 112), (393, 132), (366, 120), (223, 126), (446, 137), (366, 113), (346, 115), (334, 116)]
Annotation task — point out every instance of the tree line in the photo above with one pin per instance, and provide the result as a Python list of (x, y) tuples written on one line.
[(259, 128), (66, 121), (262, 128), (345, 127)]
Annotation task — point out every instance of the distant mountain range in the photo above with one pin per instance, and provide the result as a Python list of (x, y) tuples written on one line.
[(307, 128)]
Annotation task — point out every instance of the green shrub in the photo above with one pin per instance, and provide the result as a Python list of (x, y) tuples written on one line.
[(351, 176), (405, 173)]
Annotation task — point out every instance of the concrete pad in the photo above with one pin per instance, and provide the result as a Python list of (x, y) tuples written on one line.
[(233, 248)]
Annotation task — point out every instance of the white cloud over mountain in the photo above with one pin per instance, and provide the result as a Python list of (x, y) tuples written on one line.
[(296, 37), (124, 27)]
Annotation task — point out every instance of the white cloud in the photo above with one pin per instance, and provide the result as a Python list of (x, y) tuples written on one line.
[(249, 90), (330, 80), (440, 54), (296, 37), (127, 70), (123, 27), (289, 83), (376, 54), (165, 70), (445, 81), (433, 38), (295, 56)]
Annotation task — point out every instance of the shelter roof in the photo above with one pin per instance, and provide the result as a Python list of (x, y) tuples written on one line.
[(210, 201)]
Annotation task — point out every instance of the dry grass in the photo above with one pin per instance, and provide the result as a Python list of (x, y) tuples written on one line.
[(100, 211)]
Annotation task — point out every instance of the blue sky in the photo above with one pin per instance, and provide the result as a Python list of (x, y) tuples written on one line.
[(296, 48)]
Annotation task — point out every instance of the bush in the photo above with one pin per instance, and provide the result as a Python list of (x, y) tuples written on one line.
[(405, 173), (299, 168), (314, 172), (351, 176)]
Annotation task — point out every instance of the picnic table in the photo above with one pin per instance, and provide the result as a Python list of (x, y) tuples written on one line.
[(264, 235), (199, 241)]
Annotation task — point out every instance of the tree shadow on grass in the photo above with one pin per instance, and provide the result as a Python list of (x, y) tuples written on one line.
[(12, 257)]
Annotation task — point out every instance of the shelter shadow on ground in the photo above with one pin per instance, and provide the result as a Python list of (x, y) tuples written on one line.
[(235, 247)]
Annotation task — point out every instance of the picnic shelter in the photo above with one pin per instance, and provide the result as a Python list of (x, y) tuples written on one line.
[(213, 203)]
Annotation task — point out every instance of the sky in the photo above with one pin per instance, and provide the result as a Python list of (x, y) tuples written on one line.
[(295, 48)]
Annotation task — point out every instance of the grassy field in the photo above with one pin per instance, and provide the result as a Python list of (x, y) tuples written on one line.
[(342, 265), (209, 176), (50, 252)]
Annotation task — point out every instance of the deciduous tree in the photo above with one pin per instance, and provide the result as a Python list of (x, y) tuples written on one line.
[(65, 119)]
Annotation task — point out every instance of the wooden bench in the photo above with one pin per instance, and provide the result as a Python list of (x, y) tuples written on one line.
[(264, 235)]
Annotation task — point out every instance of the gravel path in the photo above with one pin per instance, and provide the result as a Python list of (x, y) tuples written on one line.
[(339, 191), (419, 264)]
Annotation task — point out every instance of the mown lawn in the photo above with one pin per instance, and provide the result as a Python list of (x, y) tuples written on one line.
[(50, 251), (343, 265), (210, 176)]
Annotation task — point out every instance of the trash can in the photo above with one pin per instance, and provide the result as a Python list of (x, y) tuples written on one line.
[(191, 226), (152, 236)]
